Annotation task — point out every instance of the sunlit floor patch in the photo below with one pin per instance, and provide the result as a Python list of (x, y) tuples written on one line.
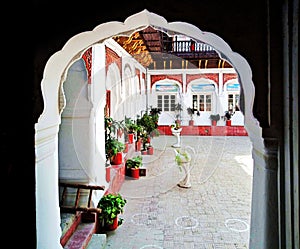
[(237, 225), (186, 222)]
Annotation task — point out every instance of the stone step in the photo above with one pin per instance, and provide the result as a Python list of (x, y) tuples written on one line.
[(69, 223), (81, 236)]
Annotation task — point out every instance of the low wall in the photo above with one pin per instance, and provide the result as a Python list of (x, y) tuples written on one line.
[(206, 130)]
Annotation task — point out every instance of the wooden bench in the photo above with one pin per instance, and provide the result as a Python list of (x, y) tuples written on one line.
[(74, 208)]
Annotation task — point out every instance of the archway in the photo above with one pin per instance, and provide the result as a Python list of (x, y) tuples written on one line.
[(48, 123)]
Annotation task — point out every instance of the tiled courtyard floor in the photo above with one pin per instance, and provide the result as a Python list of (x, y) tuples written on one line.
[(213, 214)]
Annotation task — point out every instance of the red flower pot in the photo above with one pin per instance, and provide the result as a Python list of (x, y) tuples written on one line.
[(191, 122), (213, 122), (118, 158), (130, 138), (138, 145), (135, 173), (150, 150), (144, 152), (113, 226), (228, 122)]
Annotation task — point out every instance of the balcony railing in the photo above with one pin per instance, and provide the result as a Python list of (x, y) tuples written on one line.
[(188, 48)]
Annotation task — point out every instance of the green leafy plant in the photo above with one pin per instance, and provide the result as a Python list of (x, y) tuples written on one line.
[(113, 126), (145, 139), (181, 157), (112, 147), (134, 162), (148, 123), (176, 126), (154, 112), (131, 126), (111, 205)]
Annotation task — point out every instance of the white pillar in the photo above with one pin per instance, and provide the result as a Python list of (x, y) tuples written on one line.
[(264, 211), (47, 207)]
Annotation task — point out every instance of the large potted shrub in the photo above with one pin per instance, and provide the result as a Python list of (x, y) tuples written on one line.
[(148, 122), (111, 206), (154, 113)]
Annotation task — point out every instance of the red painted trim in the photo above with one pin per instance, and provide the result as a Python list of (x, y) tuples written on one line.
[(87, 57), (206, 130), (229, 76), (211, 76)]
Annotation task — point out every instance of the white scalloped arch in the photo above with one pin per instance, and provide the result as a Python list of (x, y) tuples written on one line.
[(54, 75)]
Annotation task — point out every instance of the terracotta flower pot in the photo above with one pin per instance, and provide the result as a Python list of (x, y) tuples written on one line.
[(135, 173), (130, 138), (150, 150), (118, 158), (138, 145), (113, 226), (228, 122)]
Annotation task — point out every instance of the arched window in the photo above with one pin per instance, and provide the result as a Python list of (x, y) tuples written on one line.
[(202, 96), (166, 94), (233, 97)]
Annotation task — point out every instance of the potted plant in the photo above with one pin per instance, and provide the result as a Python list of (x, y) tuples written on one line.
[(114, 127), (133, 166), (137, 130), (214, 119), (130, 129), (133, 129), (114, 150), (145, 142), (154, 113), (178, 110), (176, 126), (227, 117), (148, 123), (190, 111), (111, 206)]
